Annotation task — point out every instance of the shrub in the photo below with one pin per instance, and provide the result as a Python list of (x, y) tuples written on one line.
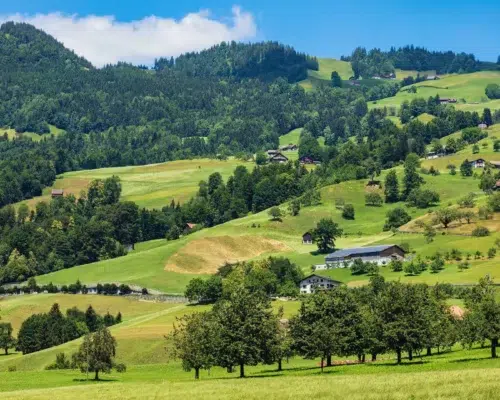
[(484, 212), (494, 202), (275, 214), (396, 218), (121, 368), (12, 368), (348, 211), (468, 201), (480, 231), (373, 199), (396, 265), (492, 252), (422, 198)]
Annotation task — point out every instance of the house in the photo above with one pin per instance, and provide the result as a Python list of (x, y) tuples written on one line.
[(189, 227), (57, 193), (271, 153), (482, 126), (289, 147), (315, 282), (307, 238), (479, 163), (278, 158), (380, 255), (445, 100)]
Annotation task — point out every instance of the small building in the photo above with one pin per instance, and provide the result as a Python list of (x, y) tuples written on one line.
[(432, 77), (482, 126), (479, 163), (315, 282), (278, 158), (306, 160), (307, 238), (446, 100), (289, 147), (381, 255), (431, 155), (271, 153), (57, 193), (189, 227)]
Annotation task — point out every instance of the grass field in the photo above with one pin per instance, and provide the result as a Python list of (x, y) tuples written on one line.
[(468, 89), (151, 186), (459, 374), (11, 133)]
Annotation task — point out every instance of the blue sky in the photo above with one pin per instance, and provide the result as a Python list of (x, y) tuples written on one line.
[(321, 27)]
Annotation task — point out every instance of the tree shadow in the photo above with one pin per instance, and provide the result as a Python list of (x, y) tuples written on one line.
[(269, 371), (101, 380), (462, 360), (403, 364)]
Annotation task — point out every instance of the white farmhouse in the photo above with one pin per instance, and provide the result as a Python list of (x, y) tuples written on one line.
[(315, 282), (380, 255)]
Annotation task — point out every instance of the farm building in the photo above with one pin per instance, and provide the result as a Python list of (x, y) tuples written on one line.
[(432, 78), (446, 100), (289, 147), (189, 227), (57, 193), (431, 155), (308, 160), (479, 163), (381, 255), (278, 158), (307, 238), (271, 153), (482, 126), (315, 282)]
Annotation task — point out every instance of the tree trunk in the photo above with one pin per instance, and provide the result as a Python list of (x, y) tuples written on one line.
[(230, 369), (494, 344), (374, 356), (6, 351), (359, 357), (398, 352), (196, 373), (329, 360), (363, 358), (322, 362), (280, 366), (96, 375), (242, 370), (429, 351), (410, 354)]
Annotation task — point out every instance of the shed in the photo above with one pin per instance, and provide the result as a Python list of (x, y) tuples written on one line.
[(57, 193), (307, 238)]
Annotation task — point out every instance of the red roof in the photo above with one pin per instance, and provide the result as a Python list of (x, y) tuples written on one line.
[(190, 225)]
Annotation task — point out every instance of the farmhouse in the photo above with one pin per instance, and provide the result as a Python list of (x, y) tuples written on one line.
[(479, 163), (289, 147), (446, 100), (381, 255), (278, 158), (57, 193), (315, 282), (307, 238)]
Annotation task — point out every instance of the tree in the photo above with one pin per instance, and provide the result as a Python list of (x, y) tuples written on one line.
[(373, 168), (494, 202), (422, 198), (412, 180), (487, 118), (247, 329), (325, 234), (468, 201), (6, 339), (487, 182), (373, 199), (348, 211), (446, 216), (96, 353), (336, 79), (260, 158), (193, 340), (396, 265), (429, 233), (396, 218), (391, 188), (328, 323), (294, 207), (466, 168), (275, 214), (437, 263)]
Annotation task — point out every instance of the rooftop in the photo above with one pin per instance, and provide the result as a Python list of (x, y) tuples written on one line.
[(358, 250)]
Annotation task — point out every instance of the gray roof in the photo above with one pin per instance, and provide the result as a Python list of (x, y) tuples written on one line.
[(358, 250), (322, 277)]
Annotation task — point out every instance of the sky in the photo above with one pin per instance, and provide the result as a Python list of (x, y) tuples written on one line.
[(107, 31)]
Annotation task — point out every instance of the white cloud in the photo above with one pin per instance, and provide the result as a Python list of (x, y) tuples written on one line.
[(103, 39)]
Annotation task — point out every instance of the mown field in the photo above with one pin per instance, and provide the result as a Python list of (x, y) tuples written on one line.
[(150, 186), (468, 89), (168, 266), (458, 374)]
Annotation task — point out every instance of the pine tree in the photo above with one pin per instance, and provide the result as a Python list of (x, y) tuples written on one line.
[(391, 188)]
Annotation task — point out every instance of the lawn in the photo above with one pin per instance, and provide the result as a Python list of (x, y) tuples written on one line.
[(468, 89), (150, 186), (11, 133)]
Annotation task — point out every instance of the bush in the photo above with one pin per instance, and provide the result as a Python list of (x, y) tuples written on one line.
[(492, 252), (494, 202), (396, 218), (12, 368), (480, 231), (61, 362), (422, 198), (484, 212), (348, 211), (121, 368), (373, 199)]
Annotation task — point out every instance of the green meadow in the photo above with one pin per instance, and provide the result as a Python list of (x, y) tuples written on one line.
[(11, 133), (456, 374)]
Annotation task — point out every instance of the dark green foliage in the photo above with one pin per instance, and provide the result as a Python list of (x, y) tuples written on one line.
[(204, 291), (391, 187), (41, 331), (373, 199), (466, 168), (348, 211), (325, 234), (422, 198), (396, 218), (494, 202), (412, 180), (336, 79), (7, 341), (493, 91), (62, 362), (473, 135)]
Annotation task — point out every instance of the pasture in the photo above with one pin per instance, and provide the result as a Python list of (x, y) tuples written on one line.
[(11, 133), (468, 89)]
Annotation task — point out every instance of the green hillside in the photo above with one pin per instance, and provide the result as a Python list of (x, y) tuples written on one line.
[(468, 89)]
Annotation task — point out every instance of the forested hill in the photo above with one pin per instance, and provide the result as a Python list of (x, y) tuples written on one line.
[(266, 61), (25, 48)]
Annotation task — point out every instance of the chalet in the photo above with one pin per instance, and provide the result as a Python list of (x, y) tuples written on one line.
[(380, 255), (289, 147), (307, 238), (482, 126), (278, 158), (446, 100), (315, 282), (57, 193), (479, 163)]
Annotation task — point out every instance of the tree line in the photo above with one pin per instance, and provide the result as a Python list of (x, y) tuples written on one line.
[(42, 331), (383, 317)]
